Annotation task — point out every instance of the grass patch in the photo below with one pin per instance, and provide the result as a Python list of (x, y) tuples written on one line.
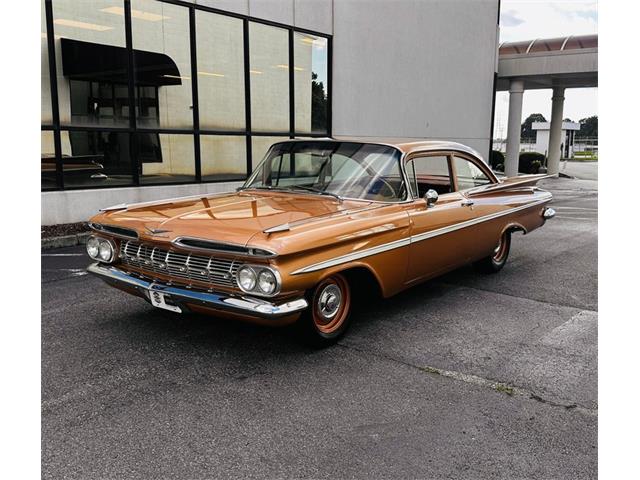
[(430, 370), (501, 387)]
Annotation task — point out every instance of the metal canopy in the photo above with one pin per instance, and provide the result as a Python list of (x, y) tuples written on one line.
[(98, 62), (569, 62)]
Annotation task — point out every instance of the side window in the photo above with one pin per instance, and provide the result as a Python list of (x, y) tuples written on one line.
[(430, 172), (469, 175)]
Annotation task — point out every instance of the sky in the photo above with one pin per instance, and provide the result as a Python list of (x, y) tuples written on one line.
[(530, 19)]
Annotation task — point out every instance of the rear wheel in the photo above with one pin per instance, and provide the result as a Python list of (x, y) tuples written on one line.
[(498, 258), (328, 315)]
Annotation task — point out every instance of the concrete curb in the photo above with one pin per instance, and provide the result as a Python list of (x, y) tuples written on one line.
[(64, 241)]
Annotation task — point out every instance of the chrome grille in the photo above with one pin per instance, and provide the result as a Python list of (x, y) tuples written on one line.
[(187, 266)]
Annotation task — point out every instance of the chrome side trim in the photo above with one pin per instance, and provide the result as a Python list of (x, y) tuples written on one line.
[(349, 257), (222, 301), (413, 239), (469, 223)]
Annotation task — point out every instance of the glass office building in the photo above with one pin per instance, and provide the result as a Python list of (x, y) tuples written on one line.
[(145, 100), (159, 92)]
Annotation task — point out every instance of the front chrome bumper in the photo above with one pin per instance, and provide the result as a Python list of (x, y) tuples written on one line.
[(220, 301)]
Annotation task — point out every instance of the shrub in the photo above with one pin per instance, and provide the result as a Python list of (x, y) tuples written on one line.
[(496, 160), (530, 162)]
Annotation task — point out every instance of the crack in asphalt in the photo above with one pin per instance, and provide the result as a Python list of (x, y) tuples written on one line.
[(520, 297), (502, 387)]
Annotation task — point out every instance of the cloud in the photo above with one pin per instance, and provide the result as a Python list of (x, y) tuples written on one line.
[(510, 19), (589, 15), (530, 19), (577, 10)]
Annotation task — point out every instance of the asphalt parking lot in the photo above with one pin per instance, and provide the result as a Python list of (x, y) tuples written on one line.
[(466, 376)]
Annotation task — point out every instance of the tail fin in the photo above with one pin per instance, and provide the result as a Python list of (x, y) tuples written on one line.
[(509, 183)]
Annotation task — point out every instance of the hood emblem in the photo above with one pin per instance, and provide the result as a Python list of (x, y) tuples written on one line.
[(156, 231)]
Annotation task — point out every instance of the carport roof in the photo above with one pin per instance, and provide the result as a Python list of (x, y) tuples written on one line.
[(559, 44), (570, 62)]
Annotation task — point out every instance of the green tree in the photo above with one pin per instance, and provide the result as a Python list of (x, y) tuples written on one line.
[(588, 127), (318, 104), (526, 131)]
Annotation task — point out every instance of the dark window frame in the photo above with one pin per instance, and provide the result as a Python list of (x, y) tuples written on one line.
[(132, 129)]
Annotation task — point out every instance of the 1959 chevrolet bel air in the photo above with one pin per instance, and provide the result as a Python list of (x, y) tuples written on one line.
[(317, 221)]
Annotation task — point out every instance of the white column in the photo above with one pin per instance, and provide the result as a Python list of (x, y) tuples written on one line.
[(555, 132), (516, 91)]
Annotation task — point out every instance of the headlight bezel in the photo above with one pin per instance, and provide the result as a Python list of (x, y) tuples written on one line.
[(102, 241), (257, 270)]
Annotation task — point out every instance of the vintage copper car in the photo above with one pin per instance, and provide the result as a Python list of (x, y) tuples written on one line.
[(317, 222)]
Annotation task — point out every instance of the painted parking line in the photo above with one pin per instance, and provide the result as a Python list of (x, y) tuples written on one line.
[(562, 207)]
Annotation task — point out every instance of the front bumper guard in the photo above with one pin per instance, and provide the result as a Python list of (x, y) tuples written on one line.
[(219, 301)]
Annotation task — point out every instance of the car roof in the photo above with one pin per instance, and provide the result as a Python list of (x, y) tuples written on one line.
[(404, 145)]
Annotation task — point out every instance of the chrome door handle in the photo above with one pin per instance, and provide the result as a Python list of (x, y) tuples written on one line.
[(467, 203)]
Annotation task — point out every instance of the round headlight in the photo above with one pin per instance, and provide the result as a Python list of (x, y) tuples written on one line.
[(246, 279), (105, 251), (267, 281), (93, 246)]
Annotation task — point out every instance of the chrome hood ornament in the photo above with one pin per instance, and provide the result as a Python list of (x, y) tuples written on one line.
[(156, 231)]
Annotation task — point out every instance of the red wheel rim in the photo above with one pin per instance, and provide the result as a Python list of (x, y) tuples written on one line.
[(501, 250), (331, 302)]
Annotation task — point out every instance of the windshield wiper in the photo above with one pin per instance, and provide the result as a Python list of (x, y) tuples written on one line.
[(258, 187), (315, 190)]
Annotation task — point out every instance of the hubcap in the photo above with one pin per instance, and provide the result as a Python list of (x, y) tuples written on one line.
[(329, 301), (500, 250)]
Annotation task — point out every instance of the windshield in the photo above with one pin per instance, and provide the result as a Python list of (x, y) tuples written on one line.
[(343, 169)]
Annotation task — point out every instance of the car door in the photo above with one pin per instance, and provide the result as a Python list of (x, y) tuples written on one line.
[(469, 174), (437, 244)]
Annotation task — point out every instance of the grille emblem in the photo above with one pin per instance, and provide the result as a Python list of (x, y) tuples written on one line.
[(156, 231)]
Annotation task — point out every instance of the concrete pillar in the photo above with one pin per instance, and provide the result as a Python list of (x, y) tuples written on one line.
[(555, 131), (516, 91)]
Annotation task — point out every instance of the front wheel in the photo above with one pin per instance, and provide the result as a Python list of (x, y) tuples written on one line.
[(497, 260), (328, 315)]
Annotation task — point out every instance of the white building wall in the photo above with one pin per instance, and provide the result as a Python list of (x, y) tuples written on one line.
[(415, 69)]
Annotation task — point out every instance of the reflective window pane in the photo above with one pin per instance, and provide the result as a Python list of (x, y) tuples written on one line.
[(45, 87), (90, 49), (165, 158), (96, 159), (260, 146), (269, 73), (223, 157), (311, 86), (468, 175), (220, 48), (429, 173), (162, 61), (47, 160)]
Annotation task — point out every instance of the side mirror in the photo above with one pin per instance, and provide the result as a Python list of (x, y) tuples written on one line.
[(431, 197)]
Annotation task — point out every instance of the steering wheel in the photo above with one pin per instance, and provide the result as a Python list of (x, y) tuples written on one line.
[(390, 190)]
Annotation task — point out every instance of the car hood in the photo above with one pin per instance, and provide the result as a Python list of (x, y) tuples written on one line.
[(231, 217)]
